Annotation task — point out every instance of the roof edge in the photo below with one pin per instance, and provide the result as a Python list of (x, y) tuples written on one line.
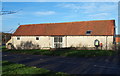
[(66, 22)]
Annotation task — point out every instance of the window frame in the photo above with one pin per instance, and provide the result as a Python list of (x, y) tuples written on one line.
[(37, 38), (58, 41), (96, 41), (18, 38), (88, 32)]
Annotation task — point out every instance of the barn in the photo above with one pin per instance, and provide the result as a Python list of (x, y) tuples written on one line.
[(63, 35)]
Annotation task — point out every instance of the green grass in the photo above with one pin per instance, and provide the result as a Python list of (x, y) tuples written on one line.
[(67, 53), (2, 48), (9, 68)]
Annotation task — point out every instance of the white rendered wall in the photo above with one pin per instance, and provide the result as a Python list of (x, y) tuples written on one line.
[(88, 41), (68, 41)]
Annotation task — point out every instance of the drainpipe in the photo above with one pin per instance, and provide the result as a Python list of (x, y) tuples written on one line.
[(114, 37), (66, 41), (106, 42), (49, 41)]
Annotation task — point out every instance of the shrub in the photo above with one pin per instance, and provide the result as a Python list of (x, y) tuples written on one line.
[(112, 46), (118, 48), (84, 48)]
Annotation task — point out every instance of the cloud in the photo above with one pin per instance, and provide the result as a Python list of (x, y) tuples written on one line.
[(99, 15), (45, 13), (70, 6), (108, 7), (90, 7), (84, 7)]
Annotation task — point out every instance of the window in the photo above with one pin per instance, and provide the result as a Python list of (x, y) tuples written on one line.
[(58, 41), (96, 42), (37, 38), (18, 38), (88, 32), (58, 45), (55, 39)]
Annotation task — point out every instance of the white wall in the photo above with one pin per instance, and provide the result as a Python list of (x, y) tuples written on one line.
[(88, 41), (45, 42)]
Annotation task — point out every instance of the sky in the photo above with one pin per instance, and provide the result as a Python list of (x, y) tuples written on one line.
[(55, 12), (60, 0)]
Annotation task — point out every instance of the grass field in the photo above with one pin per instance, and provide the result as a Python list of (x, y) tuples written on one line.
[(13, 69), (70, 52)]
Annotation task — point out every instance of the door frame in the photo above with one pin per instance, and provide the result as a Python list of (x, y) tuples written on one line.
[(58, 41)]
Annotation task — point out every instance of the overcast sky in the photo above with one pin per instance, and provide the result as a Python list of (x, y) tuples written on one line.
[(54, 12)]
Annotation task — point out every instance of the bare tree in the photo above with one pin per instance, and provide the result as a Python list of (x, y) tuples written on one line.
[(5, 12)]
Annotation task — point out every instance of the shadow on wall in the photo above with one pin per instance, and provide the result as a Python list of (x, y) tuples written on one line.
[(28, 45)]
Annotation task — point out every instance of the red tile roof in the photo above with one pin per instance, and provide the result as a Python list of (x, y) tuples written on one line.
[(117, 39), (99, 27)]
